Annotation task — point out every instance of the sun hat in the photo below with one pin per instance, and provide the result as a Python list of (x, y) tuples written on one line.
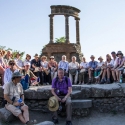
[(27, 55), (27, 64), (53, 104), (92, 56), (51, 57), (16, 74), (100, 58), (119, 53)]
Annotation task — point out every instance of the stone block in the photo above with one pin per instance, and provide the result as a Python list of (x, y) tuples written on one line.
[(44, 92), (76, 87), (30, 94), (6, 115), (76, 94), (46, 123), (81, 104)]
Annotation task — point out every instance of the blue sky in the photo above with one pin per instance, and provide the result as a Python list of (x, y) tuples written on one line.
[(24, 25)]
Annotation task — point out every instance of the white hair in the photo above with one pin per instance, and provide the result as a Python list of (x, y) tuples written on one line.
[(63, 56), (73, 57)]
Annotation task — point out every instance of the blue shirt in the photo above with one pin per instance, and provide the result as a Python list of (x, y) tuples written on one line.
[(63, 65), (93, 64)]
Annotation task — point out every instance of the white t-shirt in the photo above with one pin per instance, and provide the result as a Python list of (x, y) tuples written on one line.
[(100, 64), (84, 64), (73, 65), (19, 62), (114, 61)]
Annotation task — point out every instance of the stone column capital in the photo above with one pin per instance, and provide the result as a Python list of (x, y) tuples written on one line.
[(51, 15), (77, 18)]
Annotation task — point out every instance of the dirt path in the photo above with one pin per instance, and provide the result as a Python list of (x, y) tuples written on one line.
[(94, 119)]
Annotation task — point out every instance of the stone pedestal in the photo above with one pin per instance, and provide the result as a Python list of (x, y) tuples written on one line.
[(59, 49)]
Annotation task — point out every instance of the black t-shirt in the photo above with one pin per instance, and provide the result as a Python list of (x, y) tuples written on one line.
[(35, 63)]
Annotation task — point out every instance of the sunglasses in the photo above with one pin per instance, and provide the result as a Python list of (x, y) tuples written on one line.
[(18, 77), (12, 64)]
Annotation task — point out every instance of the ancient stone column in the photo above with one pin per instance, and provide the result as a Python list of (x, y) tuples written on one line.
[(67, 28), (77, 31), (51, 28)]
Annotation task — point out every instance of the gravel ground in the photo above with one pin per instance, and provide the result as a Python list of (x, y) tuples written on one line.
[(94, 119)]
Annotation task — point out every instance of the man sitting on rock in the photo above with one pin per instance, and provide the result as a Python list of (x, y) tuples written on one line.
[(13, 93), (61, 89)]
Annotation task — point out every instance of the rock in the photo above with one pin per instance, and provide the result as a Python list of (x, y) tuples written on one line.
[(6, 115), (81, 104), (44, 92), (46, 123), (76, 94)]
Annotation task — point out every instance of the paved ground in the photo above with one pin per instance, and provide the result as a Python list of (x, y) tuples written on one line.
[(94, 119)]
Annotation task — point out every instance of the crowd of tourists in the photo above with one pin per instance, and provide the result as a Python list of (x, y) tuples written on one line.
[(62, 75), (42, 71)]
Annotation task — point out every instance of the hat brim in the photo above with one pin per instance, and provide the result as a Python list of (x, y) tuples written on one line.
[(92, 57), (17, 76), (57, 104), (100, 58)]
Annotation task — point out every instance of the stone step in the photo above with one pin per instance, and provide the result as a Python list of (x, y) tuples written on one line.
[(6, 115), (81, 104)]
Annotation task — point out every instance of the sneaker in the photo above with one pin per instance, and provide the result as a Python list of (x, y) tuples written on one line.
[(102, 81), (47, 83), (90, 81), (79, 83), (108, 81), (31, 122), (55, 121), (68, 123)]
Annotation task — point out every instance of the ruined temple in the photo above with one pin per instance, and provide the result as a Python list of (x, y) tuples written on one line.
[(67, 48)]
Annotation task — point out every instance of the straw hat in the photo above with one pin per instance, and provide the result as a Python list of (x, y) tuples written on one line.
[(119, 53), (51, 57), (53, 104), (27, 55), (100, 58), (92, 56)]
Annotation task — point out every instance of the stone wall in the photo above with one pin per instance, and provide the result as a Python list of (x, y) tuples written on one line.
[(105, 98)]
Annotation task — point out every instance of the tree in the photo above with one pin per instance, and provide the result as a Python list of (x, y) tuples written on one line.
[(14, 52), (60, 40)]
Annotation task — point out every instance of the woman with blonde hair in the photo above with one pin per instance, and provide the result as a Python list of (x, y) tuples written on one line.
[(107, 70)]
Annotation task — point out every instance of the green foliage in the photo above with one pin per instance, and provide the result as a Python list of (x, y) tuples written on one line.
[(14, 52), (60, 40)]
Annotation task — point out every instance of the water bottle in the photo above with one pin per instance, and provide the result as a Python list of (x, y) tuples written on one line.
[(121, 78), (20, 100)]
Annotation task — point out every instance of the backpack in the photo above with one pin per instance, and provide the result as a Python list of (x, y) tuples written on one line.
[(25, 82), (57, 78)]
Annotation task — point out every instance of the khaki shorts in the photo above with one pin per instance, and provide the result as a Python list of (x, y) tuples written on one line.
[(14, 110)]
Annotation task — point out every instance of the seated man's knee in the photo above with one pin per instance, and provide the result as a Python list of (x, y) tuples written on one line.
[(68, 102), (25, 107)]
